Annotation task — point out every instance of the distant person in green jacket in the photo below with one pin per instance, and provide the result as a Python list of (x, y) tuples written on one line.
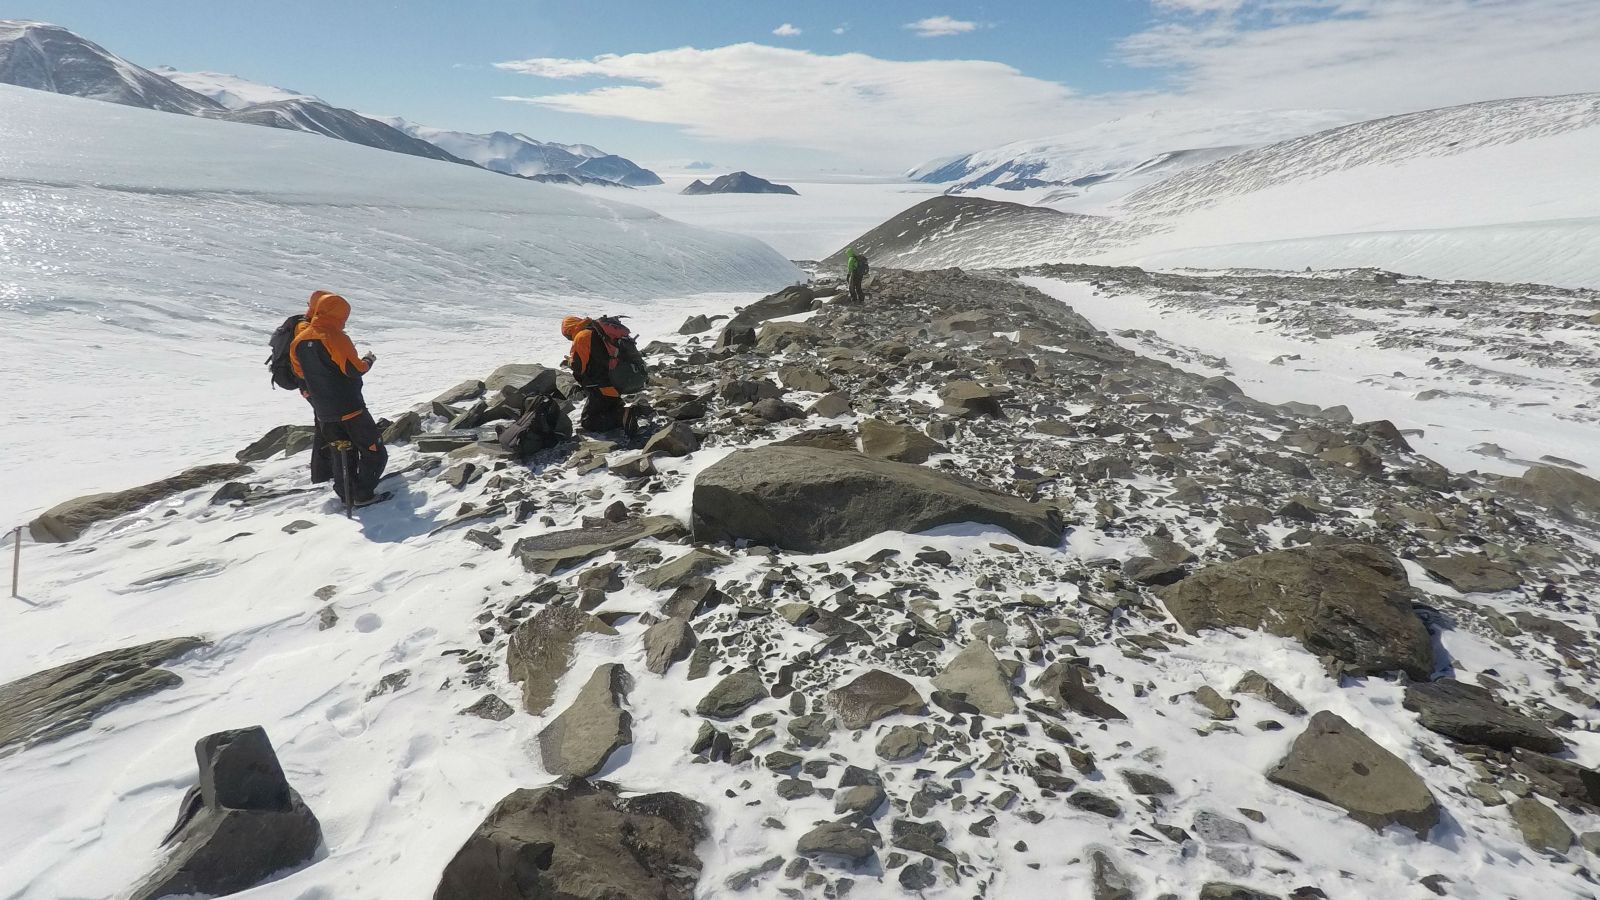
[(855, 271)]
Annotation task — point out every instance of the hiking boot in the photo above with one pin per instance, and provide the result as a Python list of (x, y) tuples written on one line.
[(368, 500)]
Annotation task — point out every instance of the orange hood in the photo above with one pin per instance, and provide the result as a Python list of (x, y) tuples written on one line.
[(316, 300), (571, 325), (329, 312)]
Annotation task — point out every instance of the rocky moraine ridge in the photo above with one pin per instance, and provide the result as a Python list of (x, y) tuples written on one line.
[(968, 601)]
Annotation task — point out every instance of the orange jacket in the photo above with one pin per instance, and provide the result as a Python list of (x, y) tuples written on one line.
[(581, 356), (324, 359), (326, 316)]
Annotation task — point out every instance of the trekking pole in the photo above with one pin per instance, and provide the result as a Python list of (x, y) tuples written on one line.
[(16, 559), (342, 450)]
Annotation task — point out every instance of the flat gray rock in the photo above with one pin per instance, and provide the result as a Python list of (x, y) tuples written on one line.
[(66, 521), (976, 677), (873, 695), (666, 642), (547, 554), (65, 700), (814, 501), (1473, 715), (733, 695), (581, 739), (540, 651), (1334, 761)]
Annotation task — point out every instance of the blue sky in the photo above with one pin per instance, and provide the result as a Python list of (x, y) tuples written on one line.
[(858, 88)]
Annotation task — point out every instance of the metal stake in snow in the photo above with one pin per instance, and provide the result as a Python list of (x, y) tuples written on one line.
[(16, 559)]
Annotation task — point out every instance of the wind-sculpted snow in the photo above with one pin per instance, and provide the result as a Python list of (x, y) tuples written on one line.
[(1435, 132), (146, 257)]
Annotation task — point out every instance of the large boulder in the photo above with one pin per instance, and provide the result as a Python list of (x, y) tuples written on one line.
[(1473, 715), (240, 825), (520, 375), (580, 840), (65, 521), (1335, 761), (64, 700), (1472, 572), (540, 651), (581, 739), (790, 301), (1347, 601), (1556, 487), (815, 501), (873, 695), (733, 695), (549, 553), (285, 439), (975, 676)]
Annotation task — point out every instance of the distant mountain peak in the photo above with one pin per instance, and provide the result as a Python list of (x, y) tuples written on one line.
[(231, 91), (738, 183), (50, 58)]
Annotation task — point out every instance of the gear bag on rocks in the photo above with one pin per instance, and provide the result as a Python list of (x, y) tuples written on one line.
[(544, 425), (278, 361)]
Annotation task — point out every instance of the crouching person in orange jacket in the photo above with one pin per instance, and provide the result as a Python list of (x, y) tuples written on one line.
[(325, 361), (590, 365)]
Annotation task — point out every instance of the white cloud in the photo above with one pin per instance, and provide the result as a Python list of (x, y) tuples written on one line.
[(1283, 57), (940, 26), (786, 30), (851, 105), (841, 29)]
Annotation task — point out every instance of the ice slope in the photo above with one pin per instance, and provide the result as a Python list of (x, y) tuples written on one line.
[(518, 154), (144, 259), (230, 90), (1116, 147)]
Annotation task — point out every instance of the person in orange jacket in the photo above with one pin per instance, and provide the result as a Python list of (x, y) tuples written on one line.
[(590, 365), (324, 360)]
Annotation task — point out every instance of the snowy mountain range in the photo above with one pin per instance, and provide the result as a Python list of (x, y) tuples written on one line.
[(50, 58), (1498, 190), (518, 154)]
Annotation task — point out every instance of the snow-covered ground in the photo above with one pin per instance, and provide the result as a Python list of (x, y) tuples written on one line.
[(1381, 371), (145, 258), (826, 216)]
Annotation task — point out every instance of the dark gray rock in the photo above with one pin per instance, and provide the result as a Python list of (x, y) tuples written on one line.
[(666, 642), (733, 695), (1222, 890), (239, 826), (549, 553), (1542, 828), (788, 302), (1472, 572), (835, 839), (285, 439), (873, 695), (581, 739), (970, 399), (580, 840), (1110, 882), (813, 501), (490, 707), (899, 443), (66, 521), (902, 743), (804, 378), (540, 651), (1348, 601), (1334, 761), (1064, 683), (1473, 715), (678, 572), (406, 426), (677, 439), (1253, 682), (64, 700)]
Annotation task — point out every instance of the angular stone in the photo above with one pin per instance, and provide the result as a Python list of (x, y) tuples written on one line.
[(1110, 882), (902, 743), (855, 845), (285, 439), (471, 389), (1472, 572), (830, 406), (1253, 682), (873, 695), (580, 840), (66, 521), (790, 301), (900, 443), (666, 642), (733, 695), (1334, 761), (814, 501), (674, 574), (861, 799), (1557, 487), (1473, 715), (540, 651), (521, 376), (695, 324), (804, 378), (240, 825), (1347, 601), (1222, 890), (406, 426), (1542, 827), (56, 702), (676, 439), (1064, 683), (490, 707), (549, 553), (581, 739), (970, 399), (975, 675)]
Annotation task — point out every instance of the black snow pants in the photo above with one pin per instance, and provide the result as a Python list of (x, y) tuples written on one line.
[(366, 457), (601, 411)]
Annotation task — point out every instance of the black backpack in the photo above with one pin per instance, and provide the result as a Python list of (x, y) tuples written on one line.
[(626, 369), (278, 361), (544, 425), (862, 266)]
